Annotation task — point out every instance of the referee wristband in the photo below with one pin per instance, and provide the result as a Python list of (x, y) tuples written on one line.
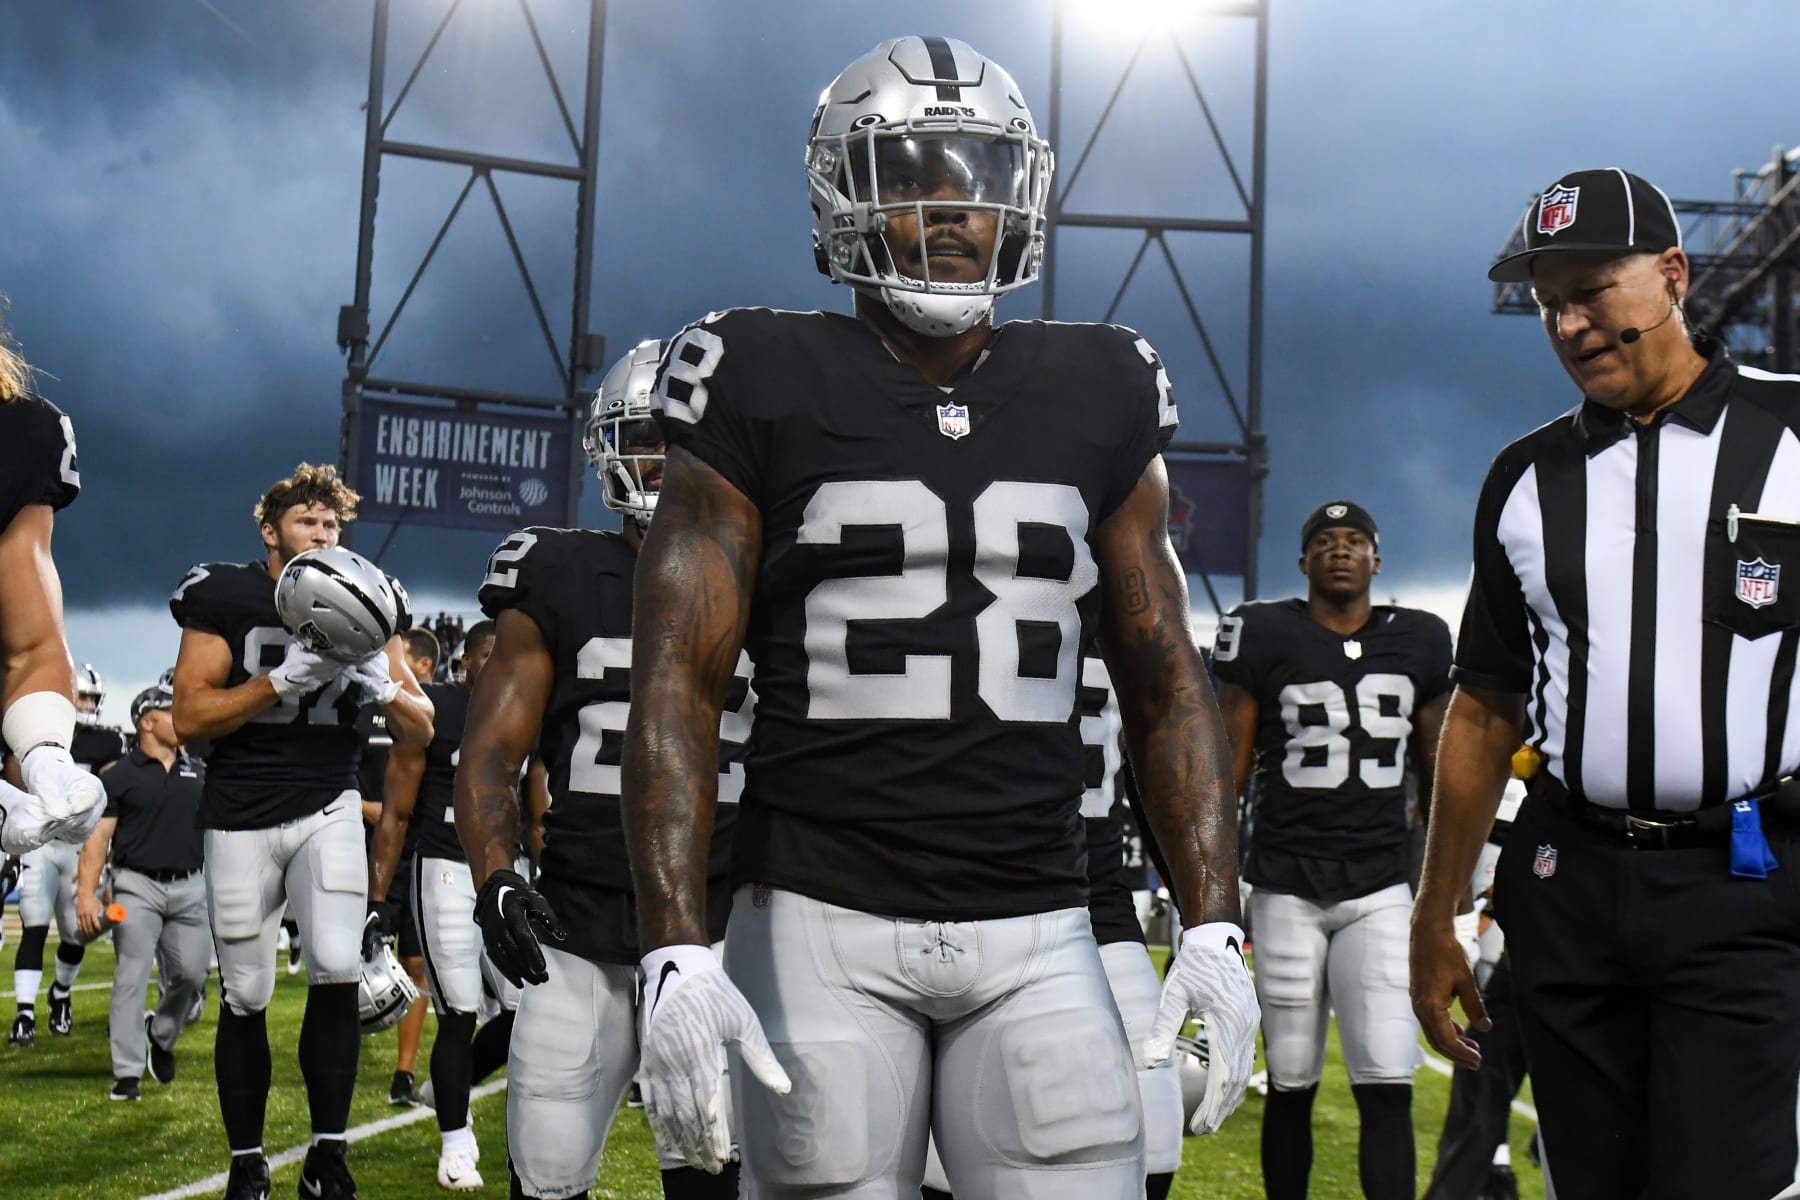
[(38, 718)]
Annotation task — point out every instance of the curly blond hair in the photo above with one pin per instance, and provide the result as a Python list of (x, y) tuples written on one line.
[(16, 374), (308, 485)]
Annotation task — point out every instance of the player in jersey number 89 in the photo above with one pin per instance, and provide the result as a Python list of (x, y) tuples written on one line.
[(38, 475), (283, 819), (561, 600), (916, 523), (1329, 700)]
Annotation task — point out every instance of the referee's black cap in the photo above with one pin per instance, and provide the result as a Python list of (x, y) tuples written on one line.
[(1608, 211), (1340, 514)]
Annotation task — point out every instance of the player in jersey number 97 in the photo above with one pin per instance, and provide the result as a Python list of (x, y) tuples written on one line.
[(1333, 703), (916, 523), (282, 814), (38, 475), (561, 676)]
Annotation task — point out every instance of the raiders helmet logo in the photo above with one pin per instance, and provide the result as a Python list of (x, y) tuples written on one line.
[(1336, 511)]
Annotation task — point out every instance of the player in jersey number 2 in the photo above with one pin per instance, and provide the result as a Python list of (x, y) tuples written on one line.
[(916, 523)]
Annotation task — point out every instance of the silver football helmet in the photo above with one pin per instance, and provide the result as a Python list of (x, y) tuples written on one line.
[(88, 686), (384, 991), (922, 123), (338, 603), (621, 438), (1192, 1060)]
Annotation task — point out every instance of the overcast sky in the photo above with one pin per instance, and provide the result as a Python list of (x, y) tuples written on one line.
[(179, 184)]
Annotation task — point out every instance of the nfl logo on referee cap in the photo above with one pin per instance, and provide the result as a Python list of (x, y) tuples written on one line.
[(953, 420), (1556, 211), (1544, 866), (1758, 582)]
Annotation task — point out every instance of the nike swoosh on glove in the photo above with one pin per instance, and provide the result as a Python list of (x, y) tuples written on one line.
[(691, 1010), (378, 927), (1207, 978), (373, 675), (302, 671), (505, 908)]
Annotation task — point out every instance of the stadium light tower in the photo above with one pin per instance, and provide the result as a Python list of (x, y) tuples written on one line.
[(1216, 504), (582, 354)]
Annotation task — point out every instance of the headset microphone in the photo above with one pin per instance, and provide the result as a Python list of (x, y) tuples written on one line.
[(1633, 333)]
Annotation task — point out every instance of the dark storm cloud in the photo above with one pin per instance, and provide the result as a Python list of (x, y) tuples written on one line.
[(180, 203)]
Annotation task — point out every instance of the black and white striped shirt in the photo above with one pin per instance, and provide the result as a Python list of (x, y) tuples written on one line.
[(1640, 585)]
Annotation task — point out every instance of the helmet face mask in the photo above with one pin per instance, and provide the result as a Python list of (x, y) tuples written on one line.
[(892, 140), (622, 439)]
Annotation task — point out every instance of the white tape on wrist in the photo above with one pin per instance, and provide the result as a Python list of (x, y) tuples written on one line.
[(37, 718)]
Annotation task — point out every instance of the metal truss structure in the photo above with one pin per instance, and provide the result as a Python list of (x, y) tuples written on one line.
[(583, 352), (1244, 220), (1746, 264)]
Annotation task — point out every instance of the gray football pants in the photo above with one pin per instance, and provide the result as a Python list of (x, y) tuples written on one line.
[(999, 1037), (318, 866), (170, 917), (47, 890)]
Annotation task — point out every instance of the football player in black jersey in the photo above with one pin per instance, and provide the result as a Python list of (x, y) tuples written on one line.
[(1332, 703), (917, 523), (47, 881), (561, 599), (60, 801), (283, 819), (418, 801)]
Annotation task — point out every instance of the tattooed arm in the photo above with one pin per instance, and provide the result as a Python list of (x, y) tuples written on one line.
[(691, 605), (506, 706), (1179, 752)]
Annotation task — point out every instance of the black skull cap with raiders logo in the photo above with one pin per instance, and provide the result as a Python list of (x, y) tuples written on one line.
[(1608, 211), (1340, 514)]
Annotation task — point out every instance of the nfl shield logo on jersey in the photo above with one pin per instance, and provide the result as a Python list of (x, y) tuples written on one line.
[(1556, 211), (953, 420), (1544, 866), (1758, 582)]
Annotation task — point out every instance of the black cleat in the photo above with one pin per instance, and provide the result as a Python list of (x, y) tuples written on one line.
[(125, 1089), (326, 1175), (249, 1178), (24, 1030), (634, 1098), (1500, 1184), (62, 1011), (401, 1093), (162, 1062)]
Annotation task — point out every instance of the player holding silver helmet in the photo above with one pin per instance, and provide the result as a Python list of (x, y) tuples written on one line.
[(916, 522), (280, 806)]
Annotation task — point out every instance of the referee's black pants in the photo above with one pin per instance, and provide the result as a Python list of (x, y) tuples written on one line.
[(1481, 1101), (1660, 1005)]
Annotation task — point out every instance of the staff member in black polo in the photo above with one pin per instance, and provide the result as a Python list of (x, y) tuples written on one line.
[(1634, 616), (152, 803)]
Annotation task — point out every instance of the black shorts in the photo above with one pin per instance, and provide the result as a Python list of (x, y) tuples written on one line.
[(399, 895)]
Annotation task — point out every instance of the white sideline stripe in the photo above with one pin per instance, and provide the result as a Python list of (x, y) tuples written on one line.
[(1443, 1067), (213, 1183)]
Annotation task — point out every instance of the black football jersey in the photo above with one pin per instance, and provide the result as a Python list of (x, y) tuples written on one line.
[(37, 457), (434, 813), (1110, 906), (575, 584), (1334, 724), (289, 760), (927, 587), (94, 746)]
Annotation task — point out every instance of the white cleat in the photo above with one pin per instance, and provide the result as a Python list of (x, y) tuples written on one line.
[(456, 1169)]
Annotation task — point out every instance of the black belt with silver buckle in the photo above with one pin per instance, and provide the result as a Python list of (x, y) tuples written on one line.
[(170, 876), (1658, 830)]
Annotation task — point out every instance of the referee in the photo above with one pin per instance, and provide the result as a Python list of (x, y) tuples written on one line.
[(151, 822), (1634, 616)]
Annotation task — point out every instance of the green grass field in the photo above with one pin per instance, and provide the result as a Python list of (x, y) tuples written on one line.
[(62, 1139)]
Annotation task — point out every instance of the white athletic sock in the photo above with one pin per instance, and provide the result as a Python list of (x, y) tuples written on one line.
[(25, 986), (241, 1153), (455, 1139), (327, 1137), (1503, 1155), (70, 970)]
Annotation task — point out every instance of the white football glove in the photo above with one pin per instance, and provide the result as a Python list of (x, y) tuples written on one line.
[(691, 1009), (1207, 978), (303, 671), (1467, 927), (373, 676), (62, 801)]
